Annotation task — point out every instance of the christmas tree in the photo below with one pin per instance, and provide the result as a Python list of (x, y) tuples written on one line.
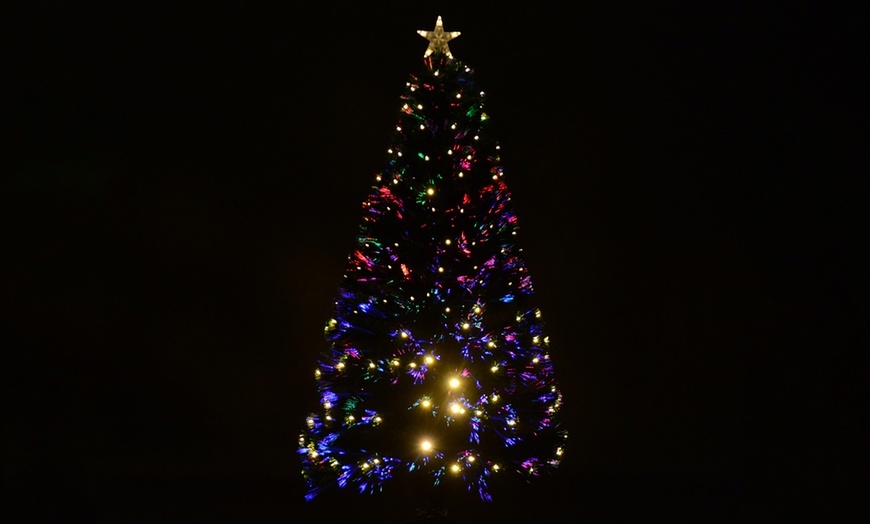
[(438, 362)]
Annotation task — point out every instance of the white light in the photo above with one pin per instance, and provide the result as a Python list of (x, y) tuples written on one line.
[(447, 242), (441, 270)]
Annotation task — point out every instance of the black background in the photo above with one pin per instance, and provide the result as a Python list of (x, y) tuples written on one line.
[(183, 185)]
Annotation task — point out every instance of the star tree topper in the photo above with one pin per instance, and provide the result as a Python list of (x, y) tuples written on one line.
[(438, 39)]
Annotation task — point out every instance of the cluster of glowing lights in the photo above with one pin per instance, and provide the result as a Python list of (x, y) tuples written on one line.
[(434, 314)]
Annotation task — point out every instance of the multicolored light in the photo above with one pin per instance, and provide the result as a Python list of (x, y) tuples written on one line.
[(435, 329)]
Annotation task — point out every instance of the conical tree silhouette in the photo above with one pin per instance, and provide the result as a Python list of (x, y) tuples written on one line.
[(438, 362)]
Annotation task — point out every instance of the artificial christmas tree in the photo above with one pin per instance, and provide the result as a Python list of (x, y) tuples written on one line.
[(438, 362)]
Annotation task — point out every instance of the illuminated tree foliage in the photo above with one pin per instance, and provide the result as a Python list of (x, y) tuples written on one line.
[(438, 360)]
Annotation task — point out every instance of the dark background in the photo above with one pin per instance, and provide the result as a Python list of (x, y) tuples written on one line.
[(183, 184)]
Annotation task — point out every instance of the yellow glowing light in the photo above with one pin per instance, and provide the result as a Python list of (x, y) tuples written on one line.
[(430, 191), (466, 325), (340, 365), (350, 418), (478, 412), (495, 467), (447, 242), (536, 339), (316, 373), (429, 359), (314, 454), (511, 422), (412, 365), (460, 174), (455, 468), (495, 398), (559, 452), (395, 362), (477, 309), (441, 270), (454, 382), (372, 365), (377, 419), (494, 369), (426, 445), (470, 458), (456, 408), (447, 310), (491, 344), (403, 334), (365, 465), (425, 403), (327, 404), (536, 360)]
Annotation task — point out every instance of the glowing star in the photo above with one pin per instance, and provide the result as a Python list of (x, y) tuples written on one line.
[(438, 39)]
